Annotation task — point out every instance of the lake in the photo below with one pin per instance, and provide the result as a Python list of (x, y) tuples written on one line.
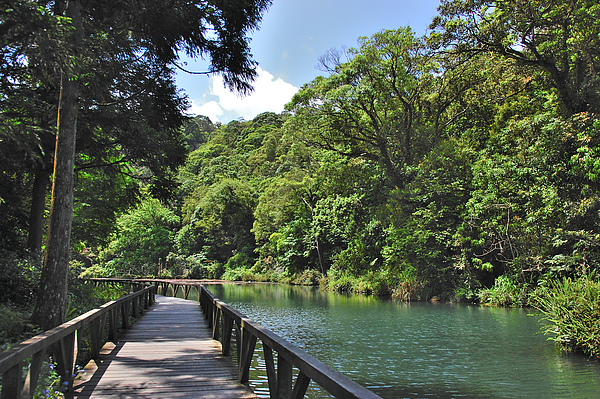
[(416, 350)]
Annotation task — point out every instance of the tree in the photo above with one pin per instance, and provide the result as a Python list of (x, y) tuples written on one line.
[(51, 302), (197, 131), (143, 239), (151, 33), (557, 37), (101, 195), (373, 106), (27, 50)]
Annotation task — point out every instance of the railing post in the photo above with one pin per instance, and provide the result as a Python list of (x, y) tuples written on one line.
[(95, 338), (125, 315), (284, 377), (300, 386), (227, 330), (12, 382), (204, 300), (271, 374), (135, 306), (238, 343), (209, 313), (144, 300), (113, 319), (33, 374), (153, 295), (248, 344), (216, 323), (65, 353)]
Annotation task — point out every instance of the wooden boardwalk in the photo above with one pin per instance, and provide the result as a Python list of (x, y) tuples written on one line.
[(168, 353)]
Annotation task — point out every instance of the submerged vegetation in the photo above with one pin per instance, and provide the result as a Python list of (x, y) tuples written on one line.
[(461, 166)]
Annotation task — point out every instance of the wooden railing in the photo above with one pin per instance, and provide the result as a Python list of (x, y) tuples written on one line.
[(224, 321), (62, 344)]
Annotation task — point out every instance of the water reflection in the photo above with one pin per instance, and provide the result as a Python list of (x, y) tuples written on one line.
[(417, 350)]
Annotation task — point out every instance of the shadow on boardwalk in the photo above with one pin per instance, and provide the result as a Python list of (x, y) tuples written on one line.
[(170, 353)]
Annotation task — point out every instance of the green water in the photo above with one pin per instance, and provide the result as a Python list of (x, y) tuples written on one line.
[(417, 350)]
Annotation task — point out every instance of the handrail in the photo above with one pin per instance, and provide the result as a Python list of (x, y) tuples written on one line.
[(223, 319), (63, 342)]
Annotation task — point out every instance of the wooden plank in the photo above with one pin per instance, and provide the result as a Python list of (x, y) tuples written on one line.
[(169, 352)]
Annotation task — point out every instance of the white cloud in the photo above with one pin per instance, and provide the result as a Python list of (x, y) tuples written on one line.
[(212, 109), (270, 94)]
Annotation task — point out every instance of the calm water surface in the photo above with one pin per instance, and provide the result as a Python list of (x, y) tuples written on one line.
[(417, 350)]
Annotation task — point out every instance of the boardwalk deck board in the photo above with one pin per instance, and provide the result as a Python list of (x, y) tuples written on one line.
[(169, 352)]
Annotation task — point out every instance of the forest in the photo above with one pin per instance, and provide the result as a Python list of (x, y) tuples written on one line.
[(459, 166)]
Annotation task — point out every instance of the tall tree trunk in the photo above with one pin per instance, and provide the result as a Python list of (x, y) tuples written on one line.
[(39, 190), (36, 213), (51, 302)]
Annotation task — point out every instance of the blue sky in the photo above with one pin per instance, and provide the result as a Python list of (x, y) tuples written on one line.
[(292, 36)]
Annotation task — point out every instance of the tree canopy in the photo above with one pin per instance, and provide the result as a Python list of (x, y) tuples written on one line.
[(557, 37)]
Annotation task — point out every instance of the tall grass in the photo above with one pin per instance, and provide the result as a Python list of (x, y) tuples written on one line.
[(505, 292), (572, 309)]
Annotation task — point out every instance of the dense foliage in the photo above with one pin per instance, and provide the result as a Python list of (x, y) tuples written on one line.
[(460, 166), (87, 91)]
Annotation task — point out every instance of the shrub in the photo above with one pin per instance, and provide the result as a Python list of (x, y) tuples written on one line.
[(407, 285), (408, 290), (13, 322), (464, 295), (240, 274), (19, 277), (84, 296), (339, 280), (143, 239), (239, 260), (196, 266), (572, 309), (505, 292), (307, 277), (240, 267), (95, 271)]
